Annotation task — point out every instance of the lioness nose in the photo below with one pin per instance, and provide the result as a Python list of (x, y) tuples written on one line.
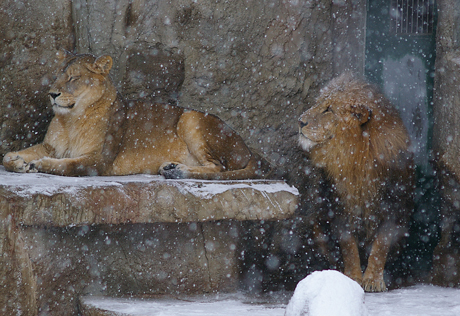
[(302, 124), (54, 95)]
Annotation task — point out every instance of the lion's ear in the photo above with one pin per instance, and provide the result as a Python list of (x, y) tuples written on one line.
[(102, 65), (361, 112)]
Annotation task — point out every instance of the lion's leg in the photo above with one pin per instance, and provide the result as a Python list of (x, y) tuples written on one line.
[(18, 161), (321, 240), (350, 254), (373, 277)]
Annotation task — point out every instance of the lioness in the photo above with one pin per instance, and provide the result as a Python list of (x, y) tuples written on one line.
[(358, 138), (95, 132)]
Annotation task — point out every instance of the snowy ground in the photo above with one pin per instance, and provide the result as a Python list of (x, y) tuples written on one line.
[(419, 300)]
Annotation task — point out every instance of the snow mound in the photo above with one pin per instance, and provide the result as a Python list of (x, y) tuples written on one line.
[(327, 293)]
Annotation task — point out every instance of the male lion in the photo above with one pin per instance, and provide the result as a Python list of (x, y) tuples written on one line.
[(357, 137), (95, 132)]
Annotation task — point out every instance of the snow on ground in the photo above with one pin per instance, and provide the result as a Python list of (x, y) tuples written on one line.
[(418, 300), (225, 305)]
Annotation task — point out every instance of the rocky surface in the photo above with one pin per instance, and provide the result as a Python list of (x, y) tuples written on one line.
[(63, 237), (446, 143), (446, 92), (47, 200), (27, 49)]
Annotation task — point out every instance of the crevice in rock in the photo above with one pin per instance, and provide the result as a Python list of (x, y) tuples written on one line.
[(206, 256)]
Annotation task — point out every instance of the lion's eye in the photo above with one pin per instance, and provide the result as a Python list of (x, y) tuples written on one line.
[(328, 109), (73, 78)]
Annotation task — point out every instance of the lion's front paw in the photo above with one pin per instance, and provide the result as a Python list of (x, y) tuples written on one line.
[(15, 163), (374, 285), (172, 171)]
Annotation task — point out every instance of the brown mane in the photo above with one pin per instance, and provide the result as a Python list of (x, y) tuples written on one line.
[(361, 159)]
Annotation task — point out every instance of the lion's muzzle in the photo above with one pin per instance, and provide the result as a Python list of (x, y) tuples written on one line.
[(54, 96)]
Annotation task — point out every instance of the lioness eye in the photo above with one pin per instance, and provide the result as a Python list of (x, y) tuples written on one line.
[(73, 78)]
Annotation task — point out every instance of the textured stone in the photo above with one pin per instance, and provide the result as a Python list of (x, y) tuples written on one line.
[(27, 51), (446, 143), (63, 237), (47, 200), (446, 93)]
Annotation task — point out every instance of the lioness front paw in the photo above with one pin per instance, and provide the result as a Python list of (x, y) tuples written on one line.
[(374, 285), (34, 166), (172, 171), (15, 163)]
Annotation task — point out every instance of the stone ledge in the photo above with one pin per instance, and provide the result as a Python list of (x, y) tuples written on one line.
[(63, 237), (42, 199)]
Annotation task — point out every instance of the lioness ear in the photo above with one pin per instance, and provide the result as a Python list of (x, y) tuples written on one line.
[(102, 65), (361, 112), (63, 54)]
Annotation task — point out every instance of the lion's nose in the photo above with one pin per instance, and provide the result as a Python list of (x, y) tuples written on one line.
[(302, 124), (54, 95)]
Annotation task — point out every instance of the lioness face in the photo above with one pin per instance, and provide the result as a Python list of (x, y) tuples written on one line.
[(78, 85)]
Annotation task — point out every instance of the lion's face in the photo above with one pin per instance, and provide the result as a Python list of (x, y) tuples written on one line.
[(326, 119), (80, 83), (316, 125)]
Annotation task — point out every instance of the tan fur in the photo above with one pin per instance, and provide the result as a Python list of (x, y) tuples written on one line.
[(95, 132), (355, 134)]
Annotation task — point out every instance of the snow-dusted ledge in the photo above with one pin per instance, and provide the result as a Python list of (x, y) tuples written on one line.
[(142, 235), (42, 199)]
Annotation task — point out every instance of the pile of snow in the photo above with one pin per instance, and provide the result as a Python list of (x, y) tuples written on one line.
[(327, 293)]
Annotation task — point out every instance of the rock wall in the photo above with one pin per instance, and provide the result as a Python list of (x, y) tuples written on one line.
[(27, 48), (349, 35), (255, 64), (64, 237), (446, 143), (447, 80)]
